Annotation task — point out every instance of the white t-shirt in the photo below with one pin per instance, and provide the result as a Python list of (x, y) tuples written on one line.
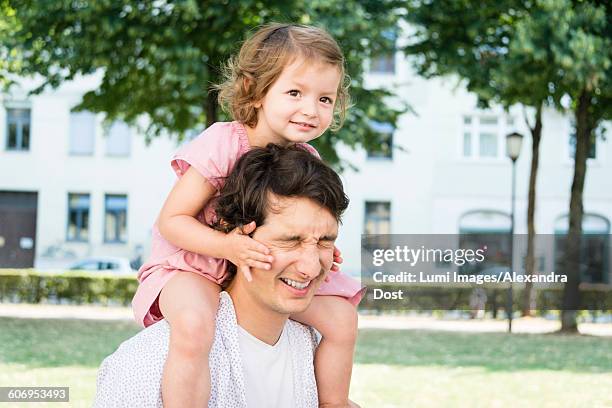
[(131, 376), (268, 371)]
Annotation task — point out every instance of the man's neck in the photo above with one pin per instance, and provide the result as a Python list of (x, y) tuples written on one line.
[(261, 322)]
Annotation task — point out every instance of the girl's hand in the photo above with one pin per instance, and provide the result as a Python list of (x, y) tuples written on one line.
[(245, 252), (337, 261)]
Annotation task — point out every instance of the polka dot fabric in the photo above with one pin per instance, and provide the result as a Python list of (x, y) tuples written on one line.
[(131, 376)]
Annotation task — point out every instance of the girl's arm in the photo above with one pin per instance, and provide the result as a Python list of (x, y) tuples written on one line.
[(178, 224)]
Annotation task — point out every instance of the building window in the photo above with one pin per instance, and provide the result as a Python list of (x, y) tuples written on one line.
[(115, 218), (467, 144), (483, 136), (488, 145), (485, 228), (18, 129), (377, 217), (82, 133), (118, 141), (594, 248), (592, 154), (384, 63), (377, 222), (78, 217), (385, 130)]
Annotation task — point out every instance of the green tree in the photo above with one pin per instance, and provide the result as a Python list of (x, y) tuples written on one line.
[(533, 53), (8, 32), (485, 51), (576, 37), (159, 59), (579, 34)]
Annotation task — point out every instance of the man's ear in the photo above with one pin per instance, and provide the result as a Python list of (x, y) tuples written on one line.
[(249, 228), (225, 226)]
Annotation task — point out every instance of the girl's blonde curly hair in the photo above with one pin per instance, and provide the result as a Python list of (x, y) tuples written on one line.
[(262, 57)]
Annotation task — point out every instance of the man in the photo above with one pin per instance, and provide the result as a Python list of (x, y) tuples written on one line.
[(259, 357)]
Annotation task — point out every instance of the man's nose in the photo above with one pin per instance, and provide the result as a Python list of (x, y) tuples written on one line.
[(308, 264)]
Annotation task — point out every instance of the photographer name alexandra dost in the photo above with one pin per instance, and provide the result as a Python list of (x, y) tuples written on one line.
[(458, 257)]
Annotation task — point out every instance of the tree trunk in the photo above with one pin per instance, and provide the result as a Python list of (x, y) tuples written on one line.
[(571, 293), (210, 107), (536, 134)]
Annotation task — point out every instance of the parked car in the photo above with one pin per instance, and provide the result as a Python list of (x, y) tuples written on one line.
[(104, 264)]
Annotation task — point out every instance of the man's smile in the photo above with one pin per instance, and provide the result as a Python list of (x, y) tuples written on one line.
[(296, 284), (296, 288)]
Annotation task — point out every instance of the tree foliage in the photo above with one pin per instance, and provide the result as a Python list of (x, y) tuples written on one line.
[(530, 52), (485, 52), (160, 58), (518, 51)]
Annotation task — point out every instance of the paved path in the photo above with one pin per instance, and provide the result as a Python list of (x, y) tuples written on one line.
[(32, 311), (522, 325)]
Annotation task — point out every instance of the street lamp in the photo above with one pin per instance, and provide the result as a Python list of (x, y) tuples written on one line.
[(514, 142)]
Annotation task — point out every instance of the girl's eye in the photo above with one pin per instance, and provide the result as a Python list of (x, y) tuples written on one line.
[(294, 92), (325, 99)]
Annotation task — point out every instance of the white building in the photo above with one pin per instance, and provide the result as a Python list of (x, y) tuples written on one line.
[(449, 172), (91, 192), (66, 188)]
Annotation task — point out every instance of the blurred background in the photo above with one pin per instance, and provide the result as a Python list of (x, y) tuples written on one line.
[(97, 96)]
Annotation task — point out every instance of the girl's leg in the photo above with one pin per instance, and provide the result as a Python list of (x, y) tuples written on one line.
[(336, 319), (189, 303)]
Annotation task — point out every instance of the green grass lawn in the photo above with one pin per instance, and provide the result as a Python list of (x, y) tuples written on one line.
[(393, 368)]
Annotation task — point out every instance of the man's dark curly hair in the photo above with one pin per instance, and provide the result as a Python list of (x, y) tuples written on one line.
[(283, 171)]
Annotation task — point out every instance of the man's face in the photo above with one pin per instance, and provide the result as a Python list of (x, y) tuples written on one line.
[(301, 235)]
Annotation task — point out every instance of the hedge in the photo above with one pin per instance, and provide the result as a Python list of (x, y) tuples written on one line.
[(457, 297), (80, 287), (72, 287)]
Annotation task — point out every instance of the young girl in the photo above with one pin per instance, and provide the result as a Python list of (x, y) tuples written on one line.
[(286, 86)]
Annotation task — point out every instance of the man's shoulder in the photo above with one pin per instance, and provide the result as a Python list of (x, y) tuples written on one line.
[(155, 337), (131, 376), (303, 342), (305, 335), (148, 348), (298, 327)]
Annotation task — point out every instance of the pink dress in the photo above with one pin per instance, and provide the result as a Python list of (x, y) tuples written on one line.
[(213, 154)]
